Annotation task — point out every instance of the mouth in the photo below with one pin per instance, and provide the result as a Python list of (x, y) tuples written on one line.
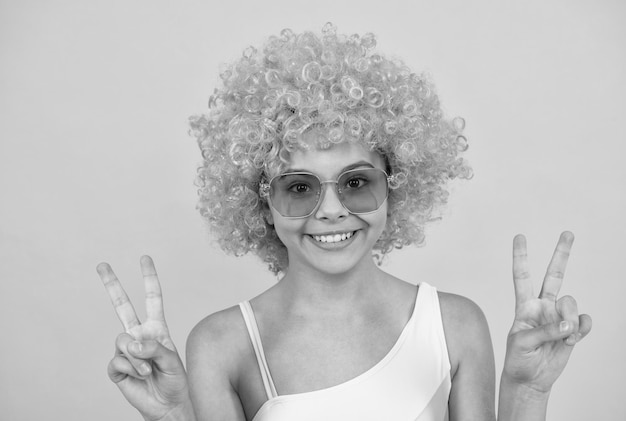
[(333, 238)]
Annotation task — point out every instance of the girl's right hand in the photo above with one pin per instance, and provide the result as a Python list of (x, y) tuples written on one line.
[(146, 366)]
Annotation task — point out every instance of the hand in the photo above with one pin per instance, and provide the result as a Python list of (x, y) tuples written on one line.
[(545, 329), (146, 367)]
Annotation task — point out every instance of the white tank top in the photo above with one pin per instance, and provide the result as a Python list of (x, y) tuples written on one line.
[(411, 383)]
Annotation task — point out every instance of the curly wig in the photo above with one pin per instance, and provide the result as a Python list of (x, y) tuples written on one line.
[(270, 97)]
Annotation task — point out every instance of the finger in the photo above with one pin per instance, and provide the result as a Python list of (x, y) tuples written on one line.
[(584, 326), (521, 274), (530, 339), (121, 303), (166, 360), (120, 368), (568, 309), (142, 367), (154, 298), (556, 269)]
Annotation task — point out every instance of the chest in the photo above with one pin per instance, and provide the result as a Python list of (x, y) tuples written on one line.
[(310, 356), (383, 367), (304, 357)]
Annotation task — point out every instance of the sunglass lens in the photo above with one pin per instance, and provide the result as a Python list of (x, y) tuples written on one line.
[(364, 190), (295, 194)]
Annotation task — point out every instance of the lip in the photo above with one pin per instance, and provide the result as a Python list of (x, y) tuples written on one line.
[(344, 231), (333, 246)]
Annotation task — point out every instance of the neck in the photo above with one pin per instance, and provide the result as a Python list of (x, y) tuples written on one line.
[(319, 292)]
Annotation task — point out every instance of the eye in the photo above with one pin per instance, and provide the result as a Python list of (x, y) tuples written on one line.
[(356, 182), (299, 188)]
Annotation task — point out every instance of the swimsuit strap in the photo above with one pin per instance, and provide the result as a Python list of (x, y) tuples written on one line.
[(255, 338)]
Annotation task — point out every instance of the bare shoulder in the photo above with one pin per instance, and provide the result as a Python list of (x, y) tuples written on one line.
[(471, 358), (465, 327), (459, 310), (220, 331), (215, 348)]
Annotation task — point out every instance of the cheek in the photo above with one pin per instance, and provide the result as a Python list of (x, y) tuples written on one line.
[(382, 219), (383, 225), (287, 229), (377, 221)]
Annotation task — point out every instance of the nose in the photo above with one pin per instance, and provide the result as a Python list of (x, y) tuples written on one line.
[(330, 206)]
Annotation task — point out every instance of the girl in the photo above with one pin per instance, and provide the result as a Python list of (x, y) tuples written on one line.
[(322, 156)]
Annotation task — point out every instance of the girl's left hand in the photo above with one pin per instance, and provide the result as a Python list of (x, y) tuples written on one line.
[(545, 328)]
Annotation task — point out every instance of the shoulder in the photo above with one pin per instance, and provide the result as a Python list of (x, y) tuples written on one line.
[(220, 330), (217, 343), (219, 323), (216, 348), (458, 310), (465, 327), (471, 358)]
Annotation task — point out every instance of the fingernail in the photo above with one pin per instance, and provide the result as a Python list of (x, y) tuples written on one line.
[(564, 326), (571, 340), (144, 369), (135, 347)]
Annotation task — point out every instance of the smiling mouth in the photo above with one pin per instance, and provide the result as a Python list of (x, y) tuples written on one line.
[(333, 238)]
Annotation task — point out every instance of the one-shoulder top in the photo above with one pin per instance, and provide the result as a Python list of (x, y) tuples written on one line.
[(411, 383)]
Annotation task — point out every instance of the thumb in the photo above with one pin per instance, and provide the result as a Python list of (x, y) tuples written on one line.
[(531, 339), (165, 360)]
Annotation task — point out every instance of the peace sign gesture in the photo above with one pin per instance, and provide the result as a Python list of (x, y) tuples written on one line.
[(146, 367), (545, 328)]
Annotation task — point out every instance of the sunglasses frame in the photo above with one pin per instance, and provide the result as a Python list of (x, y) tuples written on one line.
[(264, 190)]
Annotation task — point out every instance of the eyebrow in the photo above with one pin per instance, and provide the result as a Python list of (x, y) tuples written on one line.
[(344, 169)]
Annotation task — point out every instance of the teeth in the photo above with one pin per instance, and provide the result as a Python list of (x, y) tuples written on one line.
[(335, 238)]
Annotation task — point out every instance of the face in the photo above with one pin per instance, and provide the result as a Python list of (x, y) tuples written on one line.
[(331, 240)]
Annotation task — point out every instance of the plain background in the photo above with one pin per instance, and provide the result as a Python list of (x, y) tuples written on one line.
[(96, 164)]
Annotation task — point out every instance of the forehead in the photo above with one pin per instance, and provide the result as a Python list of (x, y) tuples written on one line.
[(330, 161), (322, 157)]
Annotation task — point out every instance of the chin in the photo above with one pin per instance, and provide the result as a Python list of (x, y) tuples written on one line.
[(339, 265)]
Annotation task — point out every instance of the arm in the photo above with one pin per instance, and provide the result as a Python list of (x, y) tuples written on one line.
[(519, 402), (212, 365), (471, 358), (542, 338)]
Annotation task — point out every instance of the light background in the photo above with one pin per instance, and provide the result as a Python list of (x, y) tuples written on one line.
[(95, 164)]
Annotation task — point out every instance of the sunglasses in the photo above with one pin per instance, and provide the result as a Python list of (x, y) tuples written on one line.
[(298, 194)]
